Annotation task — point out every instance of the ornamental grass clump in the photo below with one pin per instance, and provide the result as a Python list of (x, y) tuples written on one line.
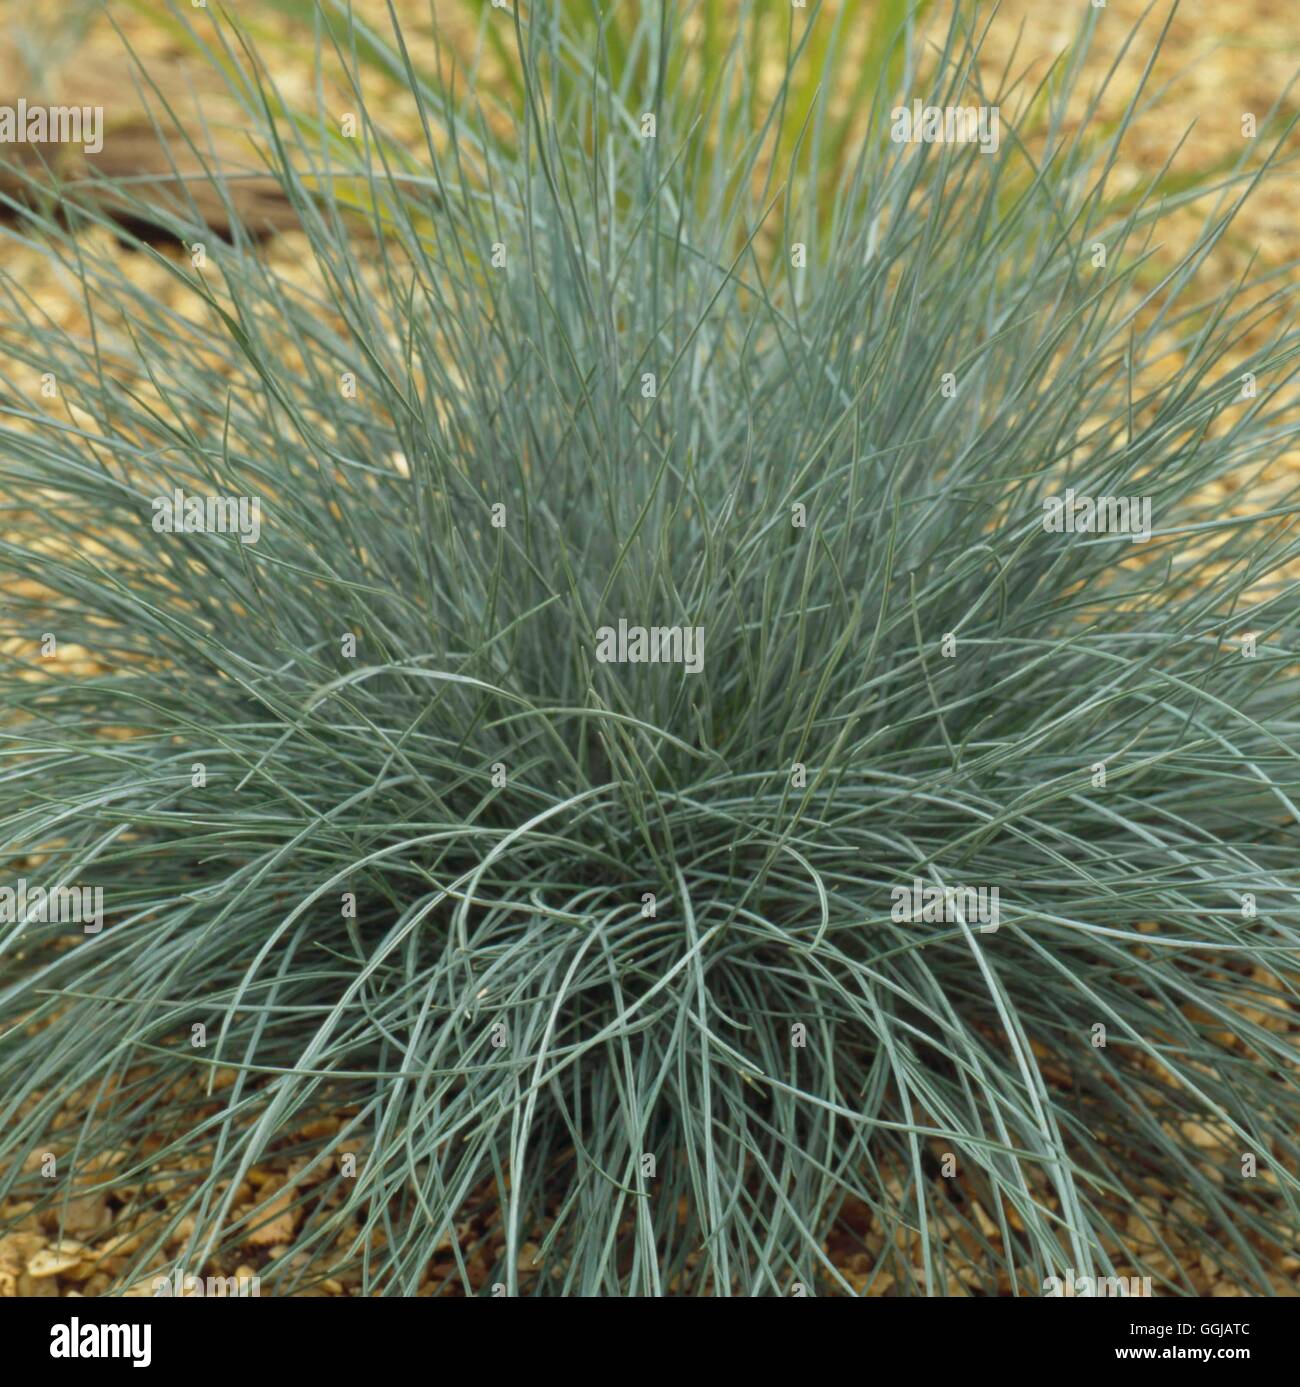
[(650, 700)]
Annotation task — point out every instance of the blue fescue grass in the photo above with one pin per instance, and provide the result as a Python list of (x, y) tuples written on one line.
[(921, 681)]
